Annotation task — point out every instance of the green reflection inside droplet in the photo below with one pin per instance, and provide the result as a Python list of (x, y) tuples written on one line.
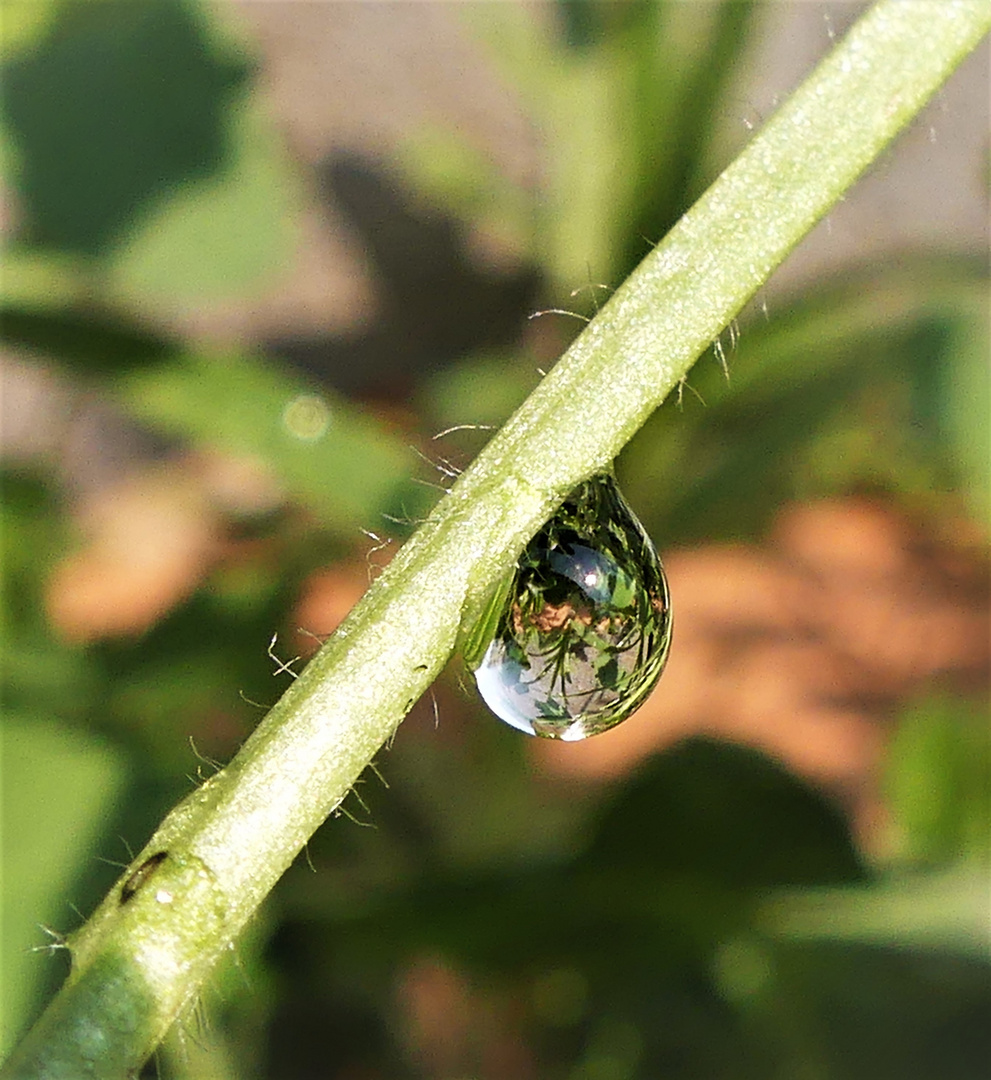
[(586, 626)]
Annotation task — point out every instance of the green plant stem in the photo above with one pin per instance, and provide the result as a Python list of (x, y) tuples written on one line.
[(138, 964)]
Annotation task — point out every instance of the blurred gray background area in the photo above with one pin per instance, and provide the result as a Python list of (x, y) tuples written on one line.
[(343, 78)]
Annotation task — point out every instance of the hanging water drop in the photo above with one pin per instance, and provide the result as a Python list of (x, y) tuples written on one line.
[(582, 632)]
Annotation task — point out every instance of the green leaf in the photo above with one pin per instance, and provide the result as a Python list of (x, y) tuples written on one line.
[(93, 344), (342, 464), (58, 786), (219, 236), (97, 139), (945, 911), (480, 637), (938, 781)]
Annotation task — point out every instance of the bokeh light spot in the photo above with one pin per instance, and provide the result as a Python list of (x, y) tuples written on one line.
[(307, 417)]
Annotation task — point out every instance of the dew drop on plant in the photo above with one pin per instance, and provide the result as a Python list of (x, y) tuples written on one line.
[(580, 636)]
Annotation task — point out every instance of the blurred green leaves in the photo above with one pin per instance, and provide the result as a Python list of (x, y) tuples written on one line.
[(343, 465), (97, 139), (88, 342), (135, 147), (155, 228), (52, 813), (851, 387), (625, 96), (934, 896), (939, 784), (707, 915), (679, 925)]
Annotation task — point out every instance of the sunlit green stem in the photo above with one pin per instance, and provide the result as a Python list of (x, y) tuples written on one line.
[(138, 964)]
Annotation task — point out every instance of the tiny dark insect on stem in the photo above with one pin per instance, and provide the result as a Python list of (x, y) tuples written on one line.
[(141, 875)]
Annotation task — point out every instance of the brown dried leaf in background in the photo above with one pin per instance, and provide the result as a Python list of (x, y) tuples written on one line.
[(150, 540), (328, 595)]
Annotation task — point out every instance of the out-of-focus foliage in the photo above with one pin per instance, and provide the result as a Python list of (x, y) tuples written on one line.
[(706, 913)]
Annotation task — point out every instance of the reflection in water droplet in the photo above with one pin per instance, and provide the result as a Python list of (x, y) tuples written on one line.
[(585, 630)]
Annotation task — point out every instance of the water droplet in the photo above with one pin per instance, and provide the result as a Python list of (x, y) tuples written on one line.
[(583, 629)]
